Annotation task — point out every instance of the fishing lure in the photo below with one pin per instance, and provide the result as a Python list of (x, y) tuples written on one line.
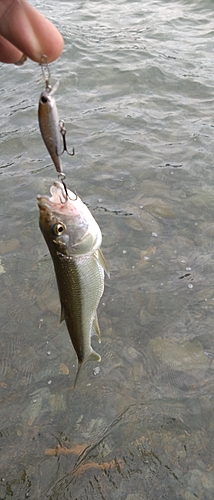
[(52, 129)]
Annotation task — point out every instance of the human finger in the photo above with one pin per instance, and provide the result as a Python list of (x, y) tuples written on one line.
[(8, 53), (29, 31)]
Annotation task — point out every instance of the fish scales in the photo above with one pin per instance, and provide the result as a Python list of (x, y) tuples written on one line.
[(74, 238), (74, 276)]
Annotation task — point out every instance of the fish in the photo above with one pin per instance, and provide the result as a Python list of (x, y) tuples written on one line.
[(49, 124), (74, 239)]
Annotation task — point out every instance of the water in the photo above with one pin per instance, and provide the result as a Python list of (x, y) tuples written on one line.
[(136, 93)]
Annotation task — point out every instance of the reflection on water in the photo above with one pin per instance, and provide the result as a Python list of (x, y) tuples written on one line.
[(137, 99)]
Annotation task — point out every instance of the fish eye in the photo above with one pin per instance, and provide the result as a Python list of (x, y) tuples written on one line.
[(58, 229), (44, 99)]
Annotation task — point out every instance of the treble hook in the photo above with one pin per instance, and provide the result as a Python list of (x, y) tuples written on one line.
[(63, 132), (62, 178), (45, 72)]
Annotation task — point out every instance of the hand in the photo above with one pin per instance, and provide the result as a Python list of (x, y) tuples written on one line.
[(26, 32)]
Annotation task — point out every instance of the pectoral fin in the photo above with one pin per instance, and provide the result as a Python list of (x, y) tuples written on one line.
[(102, 261)]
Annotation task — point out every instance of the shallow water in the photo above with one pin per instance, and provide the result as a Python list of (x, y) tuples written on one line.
[(136, 93)]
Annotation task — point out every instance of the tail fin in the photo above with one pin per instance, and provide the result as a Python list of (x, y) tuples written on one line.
[(93, 356)]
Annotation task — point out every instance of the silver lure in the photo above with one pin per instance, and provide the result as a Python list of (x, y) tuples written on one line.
[(50, 126)]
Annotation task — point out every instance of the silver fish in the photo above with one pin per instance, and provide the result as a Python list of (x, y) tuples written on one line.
[(74, 238), (50, 125)]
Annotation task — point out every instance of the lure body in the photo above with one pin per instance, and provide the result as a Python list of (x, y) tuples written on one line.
[(50, 126)]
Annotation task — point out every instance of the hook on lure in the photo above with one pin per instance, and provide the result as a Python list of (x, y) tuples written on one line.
[(63, 132), (62, 178)]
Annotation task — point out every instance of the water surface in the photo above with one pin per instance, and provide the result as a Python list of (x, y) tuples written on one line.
[(136, 93)]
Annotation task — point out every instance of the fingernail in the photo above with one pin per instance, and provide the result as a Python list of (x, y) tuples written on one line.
[(21, 61)]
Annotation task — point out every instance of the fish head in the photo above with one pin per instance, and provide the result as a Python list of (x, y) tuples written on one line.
[(67, 224)]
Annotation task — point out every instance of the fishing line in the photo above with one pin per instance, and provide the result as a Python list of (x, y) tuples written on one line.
[(45, 71)]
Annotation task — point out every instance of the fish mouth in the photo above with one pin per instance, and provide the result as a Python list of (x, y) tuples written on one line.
[(58, 196), (60, 199)]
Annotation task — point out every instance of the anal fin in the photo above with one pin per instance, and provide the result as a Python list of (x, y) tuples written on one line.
[(97, 328), (62, 317)]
